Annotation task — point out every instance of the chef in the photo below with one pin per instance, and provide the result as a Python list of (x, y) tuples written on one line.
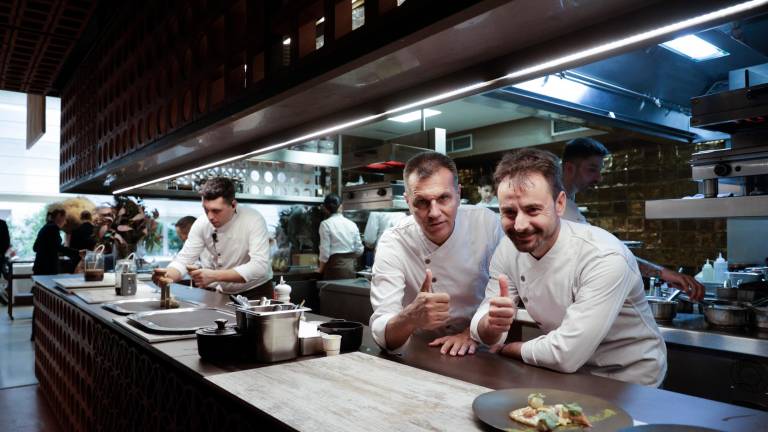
[(340, 243), (231, 242), (430, 271), (582, 166), (486, 192), (578, 282)]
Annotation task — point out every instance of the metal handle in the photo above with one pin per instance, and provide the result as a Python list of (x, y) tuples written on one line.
[(221, 323)]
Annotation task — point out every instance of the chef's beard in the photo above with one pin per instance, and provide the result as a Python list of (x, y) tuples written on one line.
[(533, 239)]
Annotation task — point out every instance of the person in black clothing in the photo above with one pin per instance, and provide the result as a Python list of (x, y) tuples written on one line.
[(5, 244), (82, 236), (48, 245)]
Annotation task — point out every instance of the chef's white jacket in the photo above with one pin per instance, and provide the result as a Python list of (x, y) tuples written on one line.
[(459, 268), (378, 222), (572, 212), (587, 294), (242, 244), (339, 235)]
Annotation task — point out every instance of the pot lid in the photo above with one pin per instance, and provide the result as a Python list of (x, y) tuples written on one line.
[(221, 329)]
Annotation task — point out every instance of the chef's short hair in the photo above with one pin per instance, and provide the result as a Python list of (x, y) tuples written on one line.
[(218, 187), (426, 164), (185, 223), (516, 164), (332, 203), (582, 148), (485, 181)]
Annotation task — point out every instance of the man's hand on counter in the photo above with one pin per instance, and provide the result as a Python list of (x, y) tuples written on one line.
[(683, 282), (500, 316), (459, 344)]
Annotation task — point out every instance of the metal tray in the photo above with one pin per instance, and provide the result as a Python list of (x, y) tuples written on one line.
[(179, 321), (132, 306)]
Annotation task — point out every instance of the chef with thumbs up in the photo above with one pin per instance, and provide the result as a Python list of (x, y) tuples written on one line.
[(578, 282), (431, 270)]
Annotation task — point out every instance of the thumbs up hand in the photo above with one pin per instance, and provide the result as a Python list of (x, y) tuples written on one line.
[(502, 310), (428, 310)]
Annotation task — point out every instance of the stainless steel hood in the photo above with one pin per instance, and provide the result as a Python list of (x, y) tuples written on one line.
[(393, 154)]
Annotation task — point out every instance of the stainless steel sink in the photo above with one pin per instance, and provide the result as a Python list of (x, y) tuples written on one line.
[(178, 321)]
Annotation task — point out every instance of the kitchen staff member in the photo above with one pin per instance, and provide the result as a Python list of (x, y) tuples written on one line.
[(340, 243), (582, 166), (431, 270), (378, 222), (231, 242), (182, 226), (487, 194), (578, 282)]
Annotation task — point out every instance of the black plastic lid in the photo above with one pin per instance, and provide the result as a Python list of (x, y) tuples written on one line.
[(221, 329)]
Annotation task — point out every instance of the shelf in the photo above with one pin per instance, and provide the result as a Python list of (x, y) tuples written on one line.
[(745, 206), (240, 197)]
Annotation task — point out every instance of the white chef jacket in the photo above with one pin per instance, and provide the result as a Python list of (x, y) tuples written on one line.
[(494, 203), (339, 235), (587, 294), (459, 267), (378, 222), (242, 245), (572, 212)]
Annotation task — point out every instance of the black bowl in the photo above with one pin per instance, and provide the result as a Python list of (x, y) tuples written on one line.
[(351, 333)]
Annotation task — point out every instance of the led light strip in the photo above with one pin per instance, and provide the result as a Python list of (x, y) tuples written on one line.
[(580, 55)]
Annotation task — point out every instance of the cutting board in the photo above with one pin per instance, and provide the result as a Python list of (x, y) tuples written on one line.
[(355, 392), (102, 295), (78, 281)]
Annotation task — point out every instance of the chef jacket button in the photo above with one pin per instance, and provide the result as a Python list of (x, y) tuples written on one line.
[(522, 278), (434, 279), (427, 260)]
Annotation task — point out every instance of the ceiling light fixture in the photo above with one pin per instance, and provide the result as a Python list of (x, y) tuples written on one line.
[(521, 73), (414, 115), (694, 48)]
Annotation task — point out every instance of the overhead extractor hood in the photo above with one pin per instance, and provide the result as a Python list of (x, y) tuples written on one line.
[(393, 154)]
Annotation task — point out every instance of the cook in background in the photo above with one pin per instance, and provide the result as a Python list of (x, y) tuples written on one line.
[(487, 194), (182, 226), (578, 282), (378, 222), (340, 243), (582, 166), (430, 271), (48, 245), (83, 236), (231, 243)]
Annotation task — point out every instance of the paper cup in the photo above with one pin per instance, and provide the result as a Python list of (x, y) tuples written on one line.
[(331, 344)]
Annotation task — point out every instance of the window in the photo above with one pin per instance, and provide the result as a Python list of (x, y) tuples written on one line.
[(459, 144)]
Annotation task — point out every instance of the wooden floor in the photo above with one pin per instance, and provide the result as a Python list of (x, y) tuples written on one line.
[(22, 407)]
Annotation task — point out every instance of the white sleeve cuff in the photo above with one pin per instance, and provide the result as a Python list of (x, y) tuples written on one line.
[(179, 267), (379, 331)]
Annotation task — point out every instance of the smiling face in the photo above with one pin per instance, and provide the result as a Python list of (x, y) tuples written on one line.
[(486, 193), (529, 215), (433, 202), (219, 211)]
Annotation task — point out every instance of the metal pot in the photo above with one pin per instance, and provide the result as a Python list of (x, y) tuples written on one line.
[(663, 309), (271, 332), (726, 315), (221, 342)]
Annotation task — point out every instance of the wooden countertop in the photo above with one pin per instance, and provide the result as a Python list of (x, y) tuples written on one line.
[(644, 404)]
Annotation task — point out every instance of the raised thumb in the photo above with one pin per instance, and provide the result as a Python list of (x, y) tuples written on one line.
[(427, 285), (503, 286)]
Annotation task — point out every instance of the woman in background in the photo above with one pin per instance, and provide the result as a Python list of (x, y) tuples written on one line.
[(48, 245), (340, 243)]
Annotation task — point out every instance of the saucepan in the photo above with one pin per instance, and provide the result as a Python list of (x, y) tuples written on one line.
[(726, 314), (663, 309)]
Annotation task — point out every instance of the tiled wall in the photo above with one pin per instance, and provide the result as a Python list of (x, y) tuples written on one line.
[(638, 170)]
